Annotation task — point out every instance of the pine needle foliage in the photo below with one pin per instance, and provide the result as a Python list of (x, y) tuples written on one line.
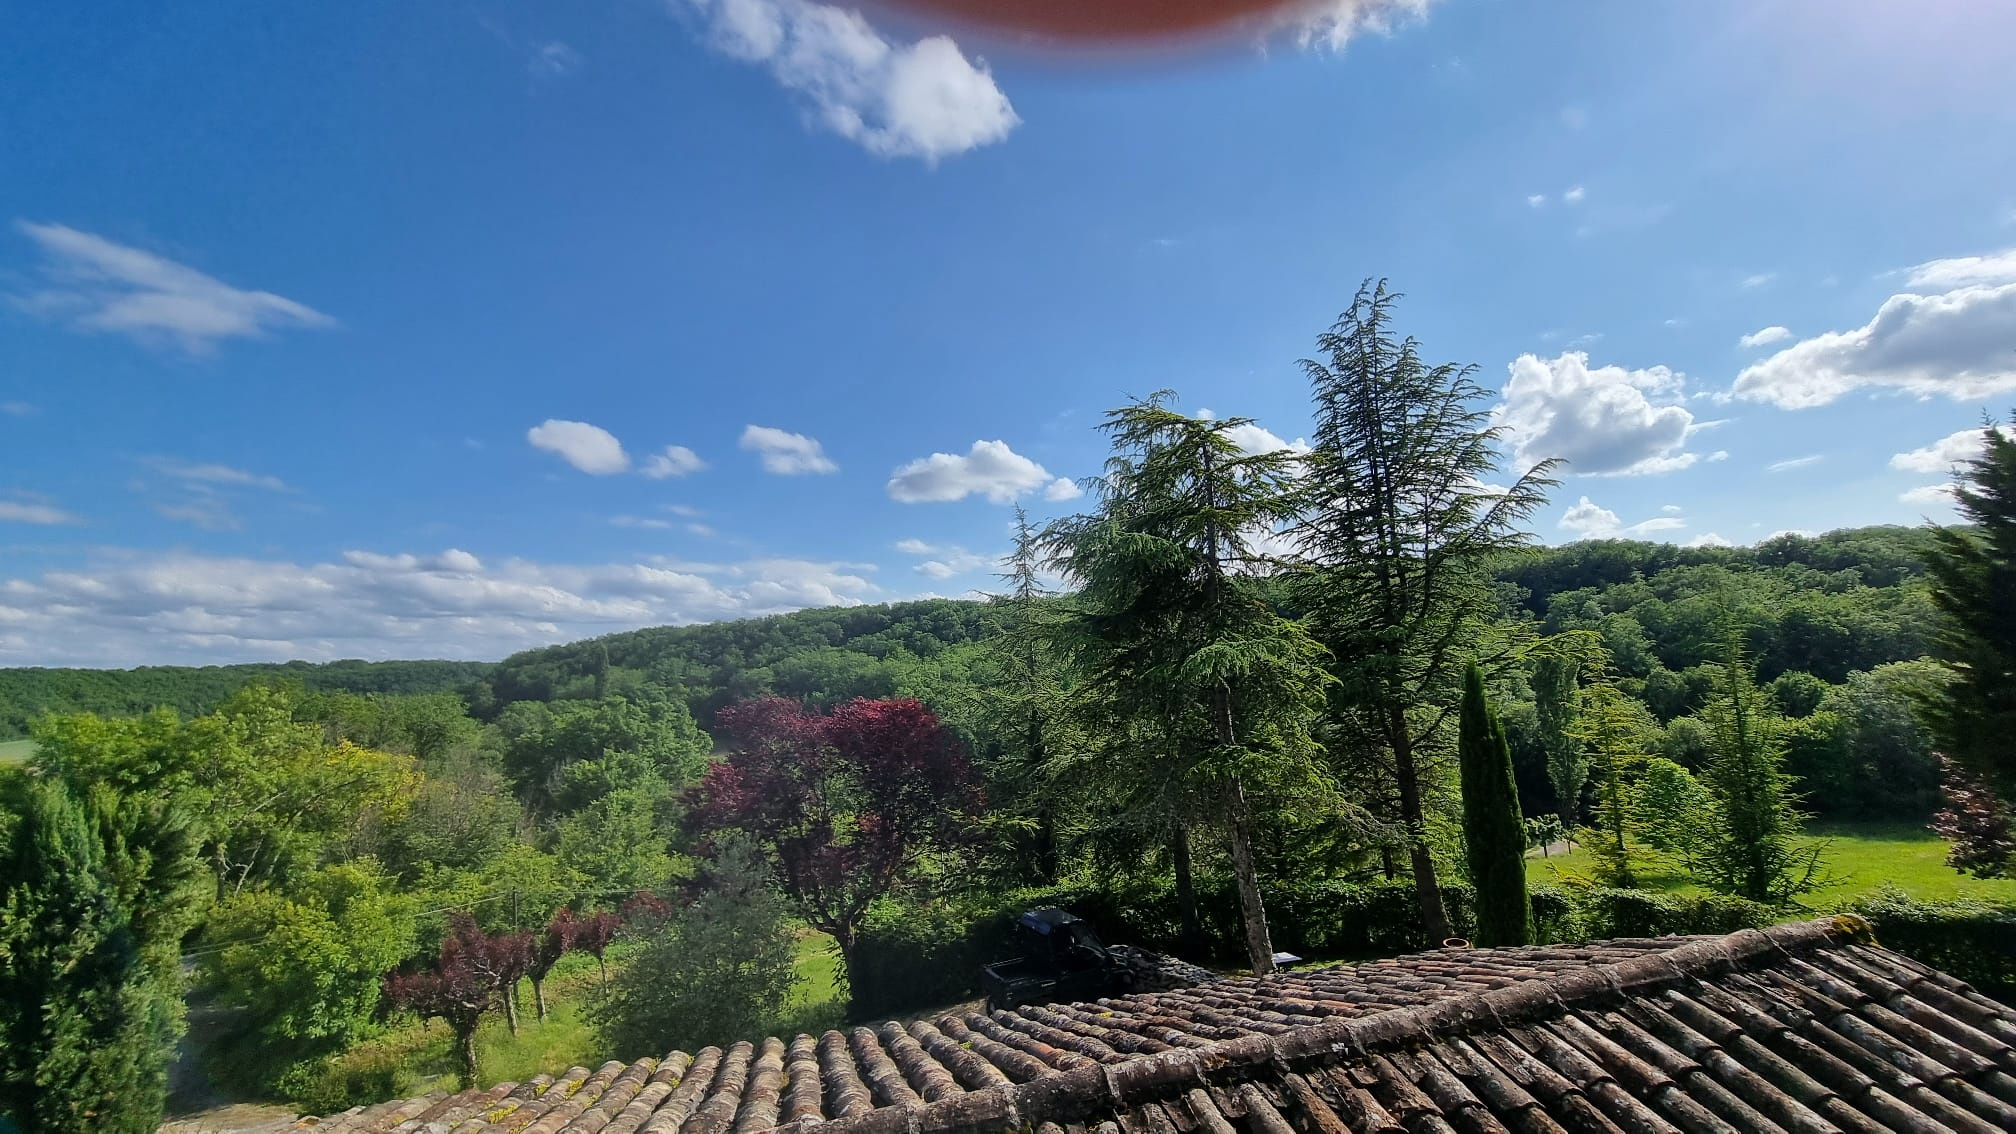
[(1494, 831), (1170, 641), (1973, 572), (1753, 849), (1398, 526)]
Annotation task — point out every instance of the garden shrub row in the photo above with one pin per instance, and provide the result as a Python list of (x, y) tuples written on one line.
[(1970, 940)]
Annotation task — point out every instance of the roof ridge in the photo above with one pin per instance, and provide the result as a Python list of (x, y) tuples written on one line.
[(1061, 1094)]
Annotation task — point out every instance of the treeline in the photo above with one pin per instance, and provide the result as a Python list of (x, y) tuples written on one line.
[(30, 692)]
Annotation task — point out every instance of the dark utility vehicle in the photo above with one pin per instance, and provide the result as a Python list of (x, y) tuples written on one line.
[(1061, 959)]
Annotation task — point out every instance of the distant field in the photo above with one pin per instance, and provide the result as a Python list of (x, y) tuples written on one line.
[(16, 751), (1862, 858)]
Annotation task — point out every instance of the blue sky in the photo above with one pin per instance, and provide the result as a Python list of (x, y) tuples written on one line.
[(391, 329)]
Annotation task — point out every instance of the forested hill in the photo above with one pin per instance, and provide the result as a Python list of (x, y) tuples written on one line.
[(1828, 605), (27, 693)]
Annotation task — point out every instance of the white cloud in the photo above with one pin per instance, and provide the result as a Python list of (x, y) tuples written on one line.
[(946, 560), (205, 512), (1935, 495), (94, 284), (1574, 196), (1791, 463), (1766, 337), (1258, 440), (646, 523), (1536, 200), (989, 469), (1602, 421), (132, 608), (1759, 280), (701, 530), (1965, 271), (785, 453), (673, 460), (1955, 448), (1718, 455), (1589, 520), (1333, 24), (685, 510), (924, 99), (29, 512), (1955, 344), (590, 448), (1670, 509), (1708, 539), (212, 474), (914, 547)]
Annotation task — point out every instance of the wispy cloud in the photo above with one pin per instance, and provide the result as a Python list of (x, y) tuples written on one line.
[(553, 60), (94, 284), (29, 512), (1791, 463), (214, 474), (785, 453)]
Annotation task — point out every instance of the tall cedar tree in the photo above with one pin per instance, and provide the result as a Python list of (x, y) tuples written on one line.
[(472, 976), (1027, 706), (844, 805), (1752, 849), (1398, 529), (95, 897), (1612, 730), (1973, 573), (1494, 831), (1171, 631)]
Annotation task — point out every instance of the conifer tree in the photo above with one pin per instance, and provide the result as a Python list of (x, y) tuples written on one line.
[(1752, 849), (1398, 528), (1557, 702), (1612, 732), (1973, 572), (1171, 640), (1494, 831), (96, 894)]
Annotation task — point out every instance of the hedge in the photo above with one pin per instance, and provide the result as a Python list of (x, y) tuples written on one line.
[(1972, 941)]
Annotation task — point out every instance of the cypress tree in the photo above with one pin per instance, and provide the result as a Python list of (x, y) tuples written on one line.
[(1973, 573), (1494, 832)]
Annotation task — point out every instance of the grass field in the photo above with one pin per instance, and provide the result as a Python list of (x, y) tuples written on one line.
[(16, 751), (1861, 859)]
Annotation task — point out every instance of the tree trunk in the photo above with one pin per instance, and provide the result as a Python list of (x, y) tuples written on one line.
[(539, 998), (465, 1050), (1186, 893), (603, 965), (1427, 891), (846, 943), (1259, 946), (1389, 866), (511, 1006)]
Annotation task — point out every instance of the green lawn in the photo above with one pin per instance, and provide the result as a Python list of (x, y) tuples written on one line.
[(1862, 858), (16, 751)]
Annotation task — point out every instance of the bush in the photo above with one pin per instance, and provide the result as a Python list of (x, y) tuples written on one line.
[(1971, 940), (371, 1074), (1607, 912)]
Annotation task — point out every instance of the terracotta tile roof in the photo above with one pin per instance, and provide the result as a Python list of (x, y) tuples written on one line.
[(1802, 1028)]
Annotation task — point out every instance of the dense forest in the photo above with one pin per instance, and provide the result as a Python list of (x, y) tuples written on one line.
[(1205, 744)]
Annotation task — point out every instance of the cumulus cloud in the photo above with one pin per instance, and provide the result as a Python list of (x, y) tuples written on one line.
[(1942, 455), (1954, 344), (673, 460), (134, 608), (31, 512), (1765, 337), (1965, 271), (1589, 520), (1536, 200), (1574, 196), (1603, 421), (1708, 539), (1258, 440), (990, 469), (590, 448), (94, 284), (945, 560), (924, 99), (785, 453), (1791, 463)]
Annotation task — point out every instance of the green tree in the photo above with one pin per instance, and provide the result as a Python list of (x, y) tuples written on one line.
[(1676, 810), (96, 894), (1613, 730), (1171, 636), (713, 971), (1557, 701), (1399, 529), (1494, 832), (1973, 572), (1753, 848)]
